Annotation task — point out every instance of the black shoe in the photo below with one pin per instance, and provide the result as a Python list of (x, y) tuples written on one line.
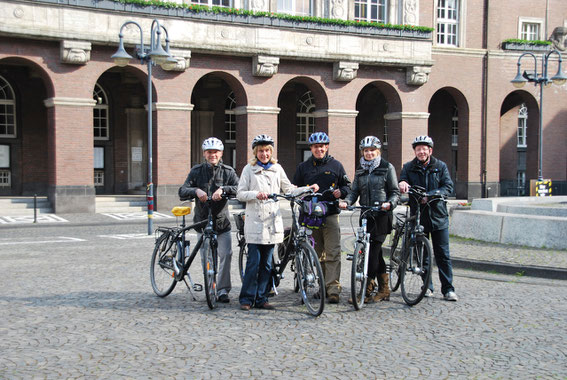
[(223, 298), (265, 306)]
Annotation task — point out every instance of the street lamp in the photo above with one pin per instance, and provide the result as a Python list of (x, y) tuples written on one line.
[(150, 55), (542, 80)]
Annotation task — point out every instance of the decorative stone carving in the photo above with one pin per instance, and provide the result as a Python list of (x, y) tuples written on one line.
[(75, 52), (410, 13), (265, 66), (259, 5), (345, 71), (338, 8), (417, 75), (559, 38), (183, 58)]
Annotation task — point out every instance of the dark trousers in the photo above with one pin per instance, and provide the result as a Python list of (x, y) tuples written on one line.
[(440, 240), (376, 263)]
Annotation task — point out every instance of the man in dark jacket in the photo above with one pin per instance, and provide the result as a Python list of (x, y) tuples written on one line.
[(326, 172), (432, 174), (212, 179)]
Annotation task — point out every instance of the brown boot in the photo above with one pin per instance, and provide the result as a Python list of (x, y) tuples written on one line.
[(370, 287), (383, 288)]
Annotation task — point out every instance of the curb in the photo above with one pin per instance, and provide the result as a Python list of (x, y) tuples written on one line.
[(553, 273)]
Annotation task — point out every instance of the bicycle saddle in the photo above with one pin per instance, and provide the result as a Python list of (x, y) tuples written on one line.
[(181, 210)]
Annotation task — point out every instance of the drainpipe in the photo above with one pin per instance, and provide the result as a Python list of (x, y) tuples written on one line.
[(484, 137)]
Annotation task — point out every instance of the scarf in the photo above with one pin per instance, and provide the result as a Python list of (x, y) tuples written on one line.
[(370, 165), (266, 166)]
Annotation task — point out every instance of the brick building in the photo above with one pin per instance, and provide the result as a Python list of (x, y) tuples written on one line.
[(73, 124)]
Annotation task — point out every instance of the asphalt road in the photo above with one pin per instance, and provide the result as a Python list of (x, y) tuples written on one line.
[(77, 302)]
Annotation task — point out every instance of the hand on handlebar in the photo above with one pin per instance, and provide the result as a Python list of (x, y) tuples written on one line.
[(201, 195), (404, 187), (262, 196), (343, 205), (218, 194)]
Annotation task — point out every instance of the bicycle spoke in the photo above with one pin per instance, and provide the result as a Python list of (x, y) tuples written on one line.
[(161, 268)]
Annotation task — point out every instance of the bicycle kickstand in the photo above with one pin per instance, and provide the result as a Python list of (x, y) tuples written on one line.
[(196, 287)]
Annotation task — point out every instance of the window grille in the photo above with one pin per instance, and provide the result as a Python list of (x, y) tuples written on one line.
[(371, 10), (7, 109), (304, 117), (100, 114), (448, 22)]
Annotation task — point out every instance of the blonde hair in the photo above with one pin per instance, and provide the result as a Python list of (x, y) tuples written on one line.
[(254, 159)]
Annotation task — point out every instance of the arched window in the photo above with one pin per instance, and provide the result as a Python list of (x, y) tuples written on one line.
[(7, 109), (304, 118), (455, 127), (100, 114), (522, 126), (230, 119)]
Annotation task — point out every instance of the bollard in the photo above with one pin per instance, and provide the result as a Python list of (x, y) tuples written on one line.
[(35, 208)]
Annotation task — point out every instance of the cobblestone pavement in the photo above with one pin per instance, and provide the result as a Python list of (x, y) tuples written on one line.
[(82, 307)]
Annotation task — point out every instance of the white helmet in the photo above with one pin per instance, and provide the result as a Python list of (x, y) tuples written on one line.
[(212, 143), (370, 142), (422, 140), (262, 140)]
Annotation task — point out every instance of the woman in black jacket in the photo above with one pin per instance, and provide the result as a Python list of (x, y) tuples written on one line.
[(375, 181)]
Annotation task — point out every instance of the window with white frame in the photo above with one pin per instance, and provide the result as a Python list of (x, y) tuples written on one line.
[(99, 177), (7, 109), (5, 178), (530, 28), (455, 127), (230, 119), (304, 118), (100, 114), (522, 126), (448, 22), (296, 7), (214, 3), (371, 10)]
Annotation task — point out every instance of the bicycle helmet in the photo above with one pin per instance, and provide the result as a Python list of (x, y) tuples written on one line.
[(422, 140), (370, 142), (212, 143), (319, 138), (262, 140)]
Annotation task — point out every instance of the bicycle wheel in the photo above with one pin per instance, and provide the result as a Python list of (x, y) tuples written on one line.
[(310, 279), (416, 271), (161, 268), (242, 257), (358, 277), (395, 267), (209, 272)]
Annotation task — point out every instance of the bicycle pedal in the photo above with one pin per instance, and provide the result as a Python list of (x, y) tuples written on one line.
[(198, 287)]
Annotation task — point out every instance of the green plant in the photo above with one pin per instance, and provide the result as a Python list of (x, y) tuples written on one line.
[(318, 20), (527, 42)]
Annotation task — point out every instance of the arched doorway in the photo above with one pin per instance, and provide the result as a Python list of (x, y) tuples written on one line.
[(299, 101), (448, 127), (519, 115), (120, 132), (24, 130), (216, 98)]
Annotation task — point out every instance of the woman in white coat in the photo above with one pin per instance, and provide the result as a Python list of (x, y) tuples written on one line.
[(264, 226)]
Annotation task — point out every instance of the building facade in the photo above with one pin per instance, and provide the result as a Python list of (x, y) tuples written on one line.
[(73, 124)]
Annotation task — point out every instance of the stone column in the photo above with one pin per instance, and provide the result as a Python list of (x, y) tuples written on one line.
[(403, 127), (250, 122), (71, 154), (172, 152), (341, 127)]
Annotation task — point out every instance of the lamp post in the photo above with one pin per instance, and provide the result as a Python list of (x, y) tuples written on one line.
[(150, 55), (542, 80)]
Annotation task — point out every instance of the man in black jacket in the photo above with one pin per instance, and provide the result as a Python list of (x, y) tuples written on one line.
[(432, 174), (326, 172), (212, 179)]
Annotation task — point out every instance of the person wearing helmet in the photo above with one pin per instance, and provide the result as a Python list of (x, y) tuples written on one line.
[(375, 181), (264, 225), (213, 179), (323, 170), (433, 175)]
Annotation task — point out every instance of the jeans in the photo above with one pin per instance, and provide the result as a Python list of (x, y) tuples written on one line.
[(257, 274), (440, 240)]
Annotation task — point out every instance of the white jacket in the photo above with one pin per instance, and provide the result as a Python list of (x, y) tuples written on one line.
[(263, 223)]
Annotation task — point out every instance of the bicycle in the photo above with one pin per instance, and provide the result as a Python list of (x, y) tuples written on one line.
[(171, 258), (297, 249), (410, 263), (359, 272), (239, 219)]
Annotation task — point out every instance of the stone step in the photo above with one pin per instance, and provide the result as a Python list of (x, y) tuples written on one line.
[(23, 206), (118, 209)]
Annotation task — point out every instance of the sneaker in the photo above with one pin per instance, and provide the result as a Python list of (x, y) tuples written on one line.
[(265, 306), (428, 293), (451, 296), (223, 298), (333, 298)]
